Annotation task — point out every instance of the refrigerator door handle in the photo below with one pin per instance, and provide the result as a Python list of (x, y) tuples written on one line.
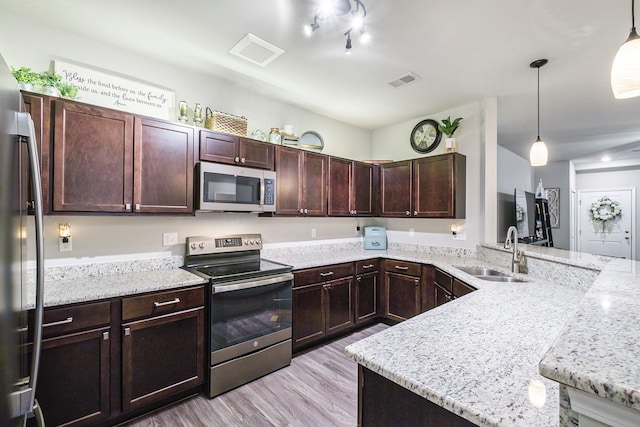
[(34, 166)]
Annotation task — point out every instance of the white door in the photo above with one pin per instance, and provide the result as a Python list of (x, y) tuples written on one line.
[(614, 237)]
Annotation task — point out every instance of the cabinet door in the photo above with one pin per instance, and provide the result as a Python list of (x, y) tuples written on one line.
[(439, 186), (38, 107), (461, 289), (161, 356), (362, 189), (315, 184), (340, 189), (366, 297), (92, 158), (442, 296), (395, 189), (338, 305), (308, 315), (289, 181), (73, 381), (163, 167), (428, 292), (256, 154), (402, 296), (218, 147)]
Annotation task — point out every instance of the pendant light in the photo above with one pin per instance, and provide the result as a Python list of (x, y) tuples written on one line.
[(538, 154), (625, 71)]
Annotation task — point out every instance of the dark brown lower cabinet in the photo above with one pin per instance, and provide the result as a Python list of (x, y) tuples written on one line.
[(161, 356), (383, 403), (73, 380), (366, 297), (402, 296), (339, 305)]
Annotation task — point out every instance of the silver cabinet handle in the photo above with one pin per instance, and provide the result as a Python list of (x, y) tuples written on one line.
[(160, 304), (127, 332), (326, 274), (127, 206), (415, 213), (359, 278), (137, 206), (242, 160), (59, 322), (105, 336), (368, 266), (400, 267), (301, 211), (305, 211), (236, 159), (407, 213)]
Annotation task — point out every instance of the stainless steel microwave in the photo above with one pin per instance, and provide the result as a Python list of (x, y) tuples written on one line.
[(229, 188)]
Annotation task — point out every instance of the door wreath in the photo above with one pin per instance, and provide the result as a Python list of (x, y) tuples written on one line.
[(604, 212)]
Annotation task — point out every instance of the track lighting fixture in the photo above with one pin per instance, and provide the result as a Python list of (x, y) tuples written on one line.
[(625, 70), (329, 9), (538, 154)]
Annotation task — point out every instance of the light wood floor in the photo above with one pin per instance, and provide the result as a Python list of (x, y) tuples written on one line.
[(318, 389)]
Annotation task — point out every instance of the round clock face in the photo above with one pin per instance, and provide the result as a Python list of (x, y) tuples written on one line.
[(425, 137)]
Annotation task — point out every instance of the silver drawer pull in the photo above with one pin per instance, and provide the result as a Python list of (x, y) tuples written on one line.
[(399, 267), (58, 323), (326, 274), (160, 304), (368, 266)]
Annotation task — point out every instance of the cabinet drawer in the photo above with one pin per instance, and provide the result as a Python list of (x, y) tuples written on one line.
[(444, 280), (322, 274), (58, 321), (367, 266), (162, 302), (402, 267), (460, 288)]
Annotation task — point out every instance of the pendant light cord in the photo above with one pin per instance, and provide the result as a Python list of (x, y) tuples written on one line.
[(633, 15), (538, 103)]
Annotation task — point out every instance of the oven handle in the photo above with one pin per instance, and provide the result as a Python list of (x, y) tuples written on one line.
[(252, 283)]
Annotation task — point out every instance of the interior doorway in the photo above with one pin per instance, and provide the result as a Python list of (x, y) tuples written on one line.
[(615, 237)]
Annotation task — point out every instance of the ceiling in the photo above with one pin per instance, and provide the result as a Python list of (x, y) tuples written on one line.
[(462, 51)]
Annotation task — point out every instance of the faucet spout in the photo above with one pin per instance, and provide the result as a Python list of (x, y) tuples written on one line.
[(511, 242)]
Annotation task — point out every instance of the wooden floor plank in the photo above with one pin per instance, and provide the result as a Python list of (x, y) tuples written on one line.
[(319, 388)]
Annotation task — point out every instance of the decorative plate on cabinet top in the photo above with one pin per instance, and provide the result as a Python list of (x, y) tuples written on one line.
[(311, 140)]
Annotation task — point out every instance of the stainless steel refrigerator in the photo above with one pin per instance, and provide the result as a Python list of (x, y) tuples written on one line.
[(21, 251)]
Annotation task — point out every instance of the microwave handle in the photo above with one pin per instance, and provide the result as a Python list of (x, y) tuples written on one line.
[(262, 191)]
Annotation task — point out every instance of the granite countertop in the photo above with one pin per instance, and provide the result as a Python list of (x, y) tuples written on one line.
[(599, 349), (477, 356)]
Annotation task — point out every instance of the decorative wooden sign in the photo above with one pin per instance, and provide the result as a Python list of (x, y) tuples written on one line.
[(106, 90)]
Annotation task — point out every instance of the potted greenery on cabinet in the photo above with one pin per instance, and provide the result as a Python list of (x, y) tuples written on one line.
[(448, 127)]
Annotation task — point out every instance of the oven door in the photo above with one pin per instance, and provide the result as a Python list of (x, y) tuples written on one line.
[(250, 315)]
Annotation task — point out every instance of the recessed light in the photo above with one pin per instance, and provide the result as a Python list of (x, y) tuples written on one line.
[(605, 159)]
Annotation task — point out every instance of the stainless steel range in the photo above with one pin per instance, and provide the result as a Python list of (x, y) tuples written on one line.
[(250, 310)]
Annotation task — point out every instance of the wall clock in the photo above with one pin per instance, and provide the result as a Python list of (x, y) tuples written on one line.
[(425, 137)]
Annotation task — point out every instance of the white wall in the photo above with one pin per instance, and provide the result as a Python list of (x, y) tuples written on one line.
[(513, 172), (392, 143), (613, 178)]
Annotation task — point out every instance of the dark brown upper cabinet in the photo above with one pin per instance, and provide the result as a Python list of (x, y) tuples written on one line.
[(235, 150), (350, 188), (301, 182), (395, 189), (39, 107), (110, 161)]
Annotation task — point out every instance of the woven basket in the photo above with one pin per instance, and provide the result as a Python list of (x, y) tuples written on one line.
[(226, 123)]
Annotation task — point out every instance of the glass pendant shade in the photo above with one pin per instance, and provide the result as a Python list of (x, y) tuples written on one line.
[(538, 154), (625, 71)]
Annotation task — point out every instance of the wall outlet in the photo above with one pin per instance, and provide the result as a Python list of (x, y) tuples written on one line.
[(64, 246), (314, 232), (411, 232), (169, 239)]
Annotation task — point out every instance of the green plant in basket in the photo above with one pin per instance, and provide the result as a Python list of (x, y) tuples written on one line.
[(26, 76), (50, 79), (68, 90), (448, 127)]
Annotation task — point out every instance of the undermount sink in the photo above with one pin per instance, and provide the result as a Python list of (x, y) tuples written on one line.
[(484, 273), (481, 271)]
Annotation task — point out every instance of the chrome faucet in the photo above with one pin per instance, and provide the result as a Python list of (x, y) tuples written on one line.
[(512, 243)]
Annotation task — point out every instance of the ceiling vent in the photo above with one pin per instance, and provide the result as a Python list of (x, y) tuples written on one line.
[(404, 80), (256, 50)]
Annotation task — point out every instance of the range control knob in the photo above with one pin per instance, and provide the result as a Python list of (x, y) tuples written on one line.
[(201, 245), (246, 242), (258, 241), (252, 242), (194, 245)]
